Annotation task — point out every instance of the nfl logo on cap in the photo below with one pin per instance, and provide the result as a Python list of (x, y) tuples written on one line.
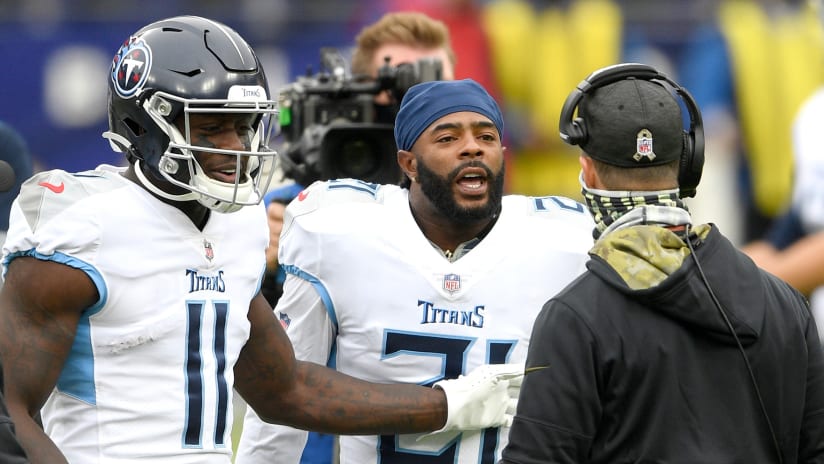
[(643, 145)]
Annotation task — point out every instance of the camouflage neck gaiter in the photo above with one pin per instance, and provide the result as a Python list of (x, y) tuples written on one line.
[(613, 209)]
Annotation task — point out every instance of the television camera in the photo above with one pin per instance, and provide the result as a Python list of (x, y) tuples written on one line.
[(332, 128)]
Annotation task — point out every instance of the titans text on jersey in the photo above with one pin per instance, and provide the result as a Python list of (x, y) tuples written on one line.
[(205, 282), (433, 315)]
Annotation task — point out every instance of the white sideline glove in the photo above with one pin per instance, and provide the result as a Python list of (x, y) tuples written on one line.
[(486, 397)]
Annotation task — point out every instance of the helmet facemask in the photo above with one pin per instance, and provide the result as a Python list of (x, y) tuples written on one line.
[(179, 166)]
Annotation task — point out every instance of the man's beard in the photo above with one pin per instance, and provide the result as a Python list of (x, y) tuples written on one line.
[(439, 191)]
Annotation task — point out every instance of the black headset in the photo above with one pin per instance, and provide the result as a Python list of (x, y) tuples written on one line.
[(573, 129)]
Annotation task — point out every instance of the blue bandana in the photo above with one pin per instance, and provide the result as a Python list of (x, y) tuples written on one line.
[(427, 102)]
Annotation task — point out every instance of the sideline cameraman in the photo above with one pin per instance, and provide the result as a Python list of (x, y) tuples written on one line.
[(404, 37)]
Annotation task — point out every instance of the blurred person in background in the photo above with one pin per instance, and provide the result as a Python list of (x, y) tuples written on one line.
[(750, 66), (464, 19), (15, 151), (404, 37), (793, 248)]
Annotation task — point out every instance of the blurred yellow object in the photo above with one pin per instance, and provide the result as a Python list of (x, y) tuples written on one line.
[(538, 58), (777, 62)]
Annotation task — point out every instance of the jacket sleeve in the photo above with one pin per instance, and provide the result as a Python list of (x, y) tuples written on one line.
[(811, 440), (558, 407)]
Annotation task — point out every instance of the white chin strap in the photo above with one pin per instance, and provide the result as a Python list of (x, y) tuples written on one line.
[(154, 189), (223, 197), (221, 206)]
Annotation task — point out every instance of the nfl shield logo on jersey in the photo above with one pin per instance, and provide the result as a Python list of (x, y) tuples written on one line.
[(451, 283), (210, 253)]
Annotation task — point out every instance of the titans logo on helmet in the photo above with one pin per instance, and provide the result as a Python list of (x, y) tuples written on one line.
[(130, 67)]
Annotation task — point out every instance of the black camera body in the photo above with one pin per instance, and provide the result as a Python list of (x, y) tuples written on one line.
[(332, 128)]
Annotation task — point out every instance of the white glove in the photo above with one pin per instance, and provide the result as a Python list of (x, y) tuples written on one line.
[(486, 397)]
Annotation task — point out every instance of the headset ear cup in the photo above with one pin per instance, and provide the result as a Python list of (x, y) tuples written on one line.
[(687, 177), (577, 132), (686, 151)]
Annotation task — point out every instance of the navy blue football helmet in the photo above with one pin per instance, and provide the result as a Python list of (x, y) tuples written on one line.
[(180, 66)]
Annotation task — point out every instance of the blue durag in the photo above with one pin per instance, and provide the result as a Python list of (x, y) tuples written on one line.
[(427, 102)]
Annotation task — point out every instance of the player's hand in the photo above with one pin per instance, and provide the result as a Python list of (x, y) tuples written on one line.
[(274, 213), (486, 397)]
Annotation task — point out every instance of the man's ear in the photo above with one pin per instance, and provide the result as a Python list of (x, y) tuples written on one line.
[(588, 171), (408, 164)]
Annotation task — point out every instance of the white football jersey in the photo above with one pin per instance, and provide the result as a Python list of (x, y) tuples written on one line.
[(367, 291), (808, 142), (150, 375), (808, 188)]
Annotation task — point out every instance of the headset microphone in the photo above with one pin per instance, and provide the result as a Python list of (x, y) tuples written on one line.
[(7, 176)]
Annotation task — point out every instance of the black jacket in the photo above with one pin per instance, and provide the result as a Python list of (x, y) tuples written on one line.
[(641, 368)]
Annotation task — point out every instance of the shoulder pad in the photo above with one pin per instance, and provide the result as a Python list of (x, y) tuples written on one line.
[(339, 191), (49, 193), (333, 193)]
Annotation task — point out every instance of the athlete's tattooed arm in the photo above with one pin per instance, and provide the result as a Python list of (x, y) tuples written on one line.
[(313, 397)]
